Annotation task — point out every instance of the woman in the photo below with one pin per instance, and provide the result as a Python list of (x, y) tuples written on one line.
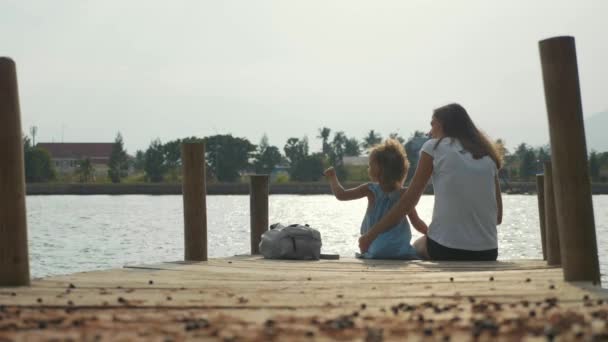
[(463, 165)]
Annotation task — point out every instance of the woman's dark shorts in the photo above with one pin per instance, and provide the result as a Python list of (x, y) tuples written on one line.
[(440, 252)]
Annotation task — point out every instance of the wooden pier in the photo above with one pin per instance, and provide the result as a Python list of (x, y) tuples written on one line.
[(249, 298)]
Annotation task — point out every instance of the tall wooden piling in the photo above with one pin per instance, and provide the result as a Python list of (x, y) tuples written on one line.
[(540, 195), (195, 203), (14, 258), (571, 182), (258, 205), (550, 218)]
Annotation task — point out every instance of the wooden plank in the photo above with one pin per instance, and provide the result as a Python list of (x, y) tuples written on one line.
[(348, 299)]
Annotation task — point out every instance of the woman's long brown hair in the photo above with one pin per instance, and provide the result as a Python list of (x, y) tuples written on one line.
[(456, 123)]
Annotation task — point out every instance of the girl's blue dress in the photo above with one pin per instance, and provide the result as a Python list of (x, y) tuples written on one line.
[(393, 243)]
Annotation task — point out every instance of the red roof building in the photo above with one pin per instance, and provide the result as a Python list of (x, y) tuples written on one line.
[(66, 156), (98, 153)]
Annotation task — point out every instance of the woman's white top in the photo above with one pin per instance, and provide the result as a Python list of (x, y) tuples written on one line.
[(464, 215)]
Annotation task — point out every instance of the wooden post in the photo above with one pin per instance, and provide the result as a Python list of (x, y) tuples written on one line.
[(540, 193), (14, 258), (569, 158), (551, 224), (258, 206), (195, 206)]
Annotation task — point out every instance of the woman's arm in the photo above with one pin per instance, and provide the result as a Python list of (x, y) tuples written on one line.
[(406, 203), (345, 194), (498, 201)]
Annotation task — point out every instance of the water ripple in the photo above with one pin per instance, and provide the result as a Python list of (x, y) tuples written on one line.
[(81, 233)]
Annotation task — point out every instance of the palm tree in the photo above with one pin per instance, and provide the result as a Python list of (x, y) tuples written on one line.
[(397, 137), (324, 136), (371, 140)]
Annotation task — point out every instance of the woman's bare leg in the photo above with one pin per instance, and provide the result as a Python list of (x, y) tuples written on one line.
[(420, 246)]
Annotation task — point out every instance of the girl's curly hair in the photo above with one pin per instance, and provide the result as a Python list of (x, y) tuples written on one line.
[(391, 159)]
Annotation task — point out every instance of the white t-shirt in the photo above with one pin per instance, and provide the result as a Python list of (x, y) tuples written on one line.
[(464, 215)]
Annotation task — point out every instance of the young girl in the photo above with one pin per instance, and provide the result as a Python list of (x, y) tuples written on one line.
[(388, 167)]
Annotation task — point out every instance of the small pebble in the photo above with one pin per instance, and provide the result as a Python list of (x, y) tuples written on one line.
[(70, 303), (150, 282), (551, 287), (363, 306), (121, 300), (586, 297), (192, 326), (230, 262), (169, 298), (550, 333), (309, 278), (72, 286), (340, 296), (13, 294), (528, 280), (451, 279), (491, 278), (39, 300)]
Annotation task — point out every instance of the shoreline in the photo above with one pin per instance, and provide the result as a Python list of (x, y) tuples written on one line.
[(313, 188)]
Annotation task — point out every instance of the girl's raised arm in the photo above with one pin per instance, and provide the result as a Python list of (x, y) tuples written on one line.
[(345, 194)]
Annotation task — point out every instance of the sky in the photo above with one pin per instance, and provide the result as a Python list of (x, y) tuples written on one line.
[(170, 69)]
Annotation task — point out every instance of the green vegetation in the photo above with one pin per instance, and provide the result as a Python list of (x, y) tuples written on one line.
[(230, 159), (155, 164), (118, 166), (38, 164), (266, 157), (85, 171)]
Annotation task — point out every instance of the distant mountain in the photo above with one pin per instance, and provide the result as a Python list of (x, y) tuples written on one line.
[(596, 129)]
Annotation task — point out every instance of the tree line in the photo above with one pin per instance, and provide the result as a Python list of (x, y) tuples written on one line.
[(228, 158)]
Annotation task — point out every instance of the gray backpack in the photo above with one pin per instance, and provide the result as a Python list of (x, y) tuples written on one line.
[(295, 241)]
